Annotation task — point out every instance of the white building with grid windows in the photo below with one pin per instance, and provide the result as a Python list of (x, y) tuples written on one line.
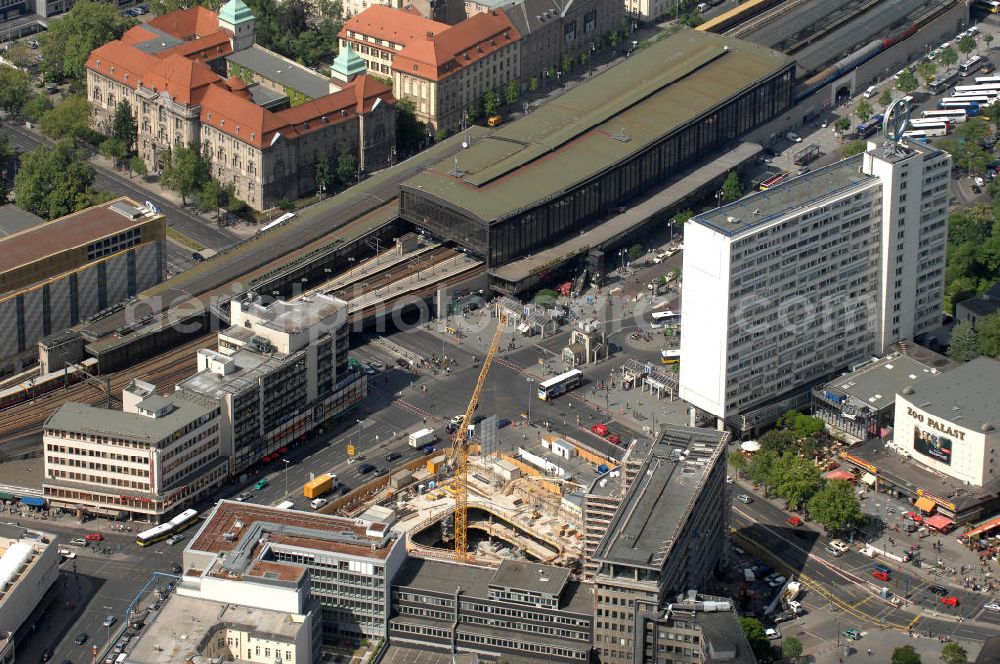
[(786, 287)]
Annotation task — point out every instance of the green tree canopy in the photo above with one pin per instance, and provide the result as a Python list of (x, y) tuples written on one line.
[(123, 126), (753, 629), (777, 440), (948, 57), (36, 107), (410, 132), (15, 89), (967, 44), (885, 98), (546, 297), (905, 655), (347, 167), (55, 181), (864, 110), (185, 171), (490, 103), (512, 92), (791, 648), (907, 81), (70, 118), (732, 188), (800, 424), (953, 653), (842, 124), (797, 479), (324, 177), (852, 148), (137, 165), (964, 344), (927, 70), (966, 154), (988, 332), (69, 40), (634, 252), (836, 505)]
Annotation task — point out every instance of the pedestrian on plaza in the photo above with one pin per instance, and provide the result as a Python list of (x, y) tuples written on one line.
[(870, 653)]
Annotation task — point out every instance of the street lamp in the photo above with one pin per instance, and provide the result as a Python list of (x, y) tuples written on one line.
[(286, 477), (530, 381)]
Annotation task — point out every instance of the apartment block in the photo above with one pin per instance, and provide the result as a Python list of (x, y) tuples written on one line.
[(787, 287), (29, 566), (520, 611), (56, 274), (666, 538), (695, 628), (349, 565), (143, 462), (280, 371)]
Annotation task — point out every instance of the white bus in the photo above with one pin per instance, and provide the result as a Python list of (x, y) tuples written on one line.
[(155, 534), (562, 383), (666, 317), (931, 125), (965, 102), (918, 135), (987, 80), (184, 520), (956, 116), (285, 505), (969, 66), (986, 89), (670, 356)]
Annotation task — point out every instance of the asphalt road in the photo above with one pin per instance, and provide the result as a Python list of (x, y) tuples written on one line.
[(190, 224), (845, 584)]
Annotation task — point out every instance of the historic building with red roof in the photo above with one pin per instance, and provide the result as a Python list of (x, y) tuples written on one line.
[(179, 74)]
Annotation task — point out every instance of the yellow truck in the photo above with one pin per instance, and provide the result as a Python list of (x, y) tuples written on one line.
[(317, 487)]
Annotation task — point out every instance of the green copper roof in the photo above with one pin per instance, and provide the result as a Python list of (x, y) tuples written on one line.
[(348, 63), (235, 12)]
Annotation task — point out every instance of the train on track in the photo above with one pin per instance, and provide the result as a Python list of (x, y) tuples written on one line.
[(33, 388)]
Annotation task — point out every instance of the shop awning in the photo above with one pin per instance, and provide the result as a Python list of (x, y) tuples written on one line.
[(7, 496), (983, 527), (939, 522), (868, 479), (925, 504), (32, 501), (839, 474)]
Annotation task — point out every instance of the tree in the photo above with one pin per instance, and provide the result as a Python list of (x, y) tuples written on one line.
[(21, 56), (778, 441), (347, 167), (796, 479), (965, 153), (409, 131), (533, 84), (490, 103), (732, 188), (791, 647), (842, 124), (70, 118), (761, 468), (546, 297), (948, 57), (927, 70), (137, 165), (852, 148), (800, 424), (953, 653), (989, 335), (976, 129), (185, 171), (967, 44), (123, 126), (36, 107), (864, 110), (987, 38), (440, 135), (634, 252), (15, 89), (905, 655), (753, 629), (211, 197), (836, 505), (907, 81), (885, 98), (54, 181), (114, 150), (512, 92), (67, 43), (324, 178), (567, 64), (613, 39), (964, 344)]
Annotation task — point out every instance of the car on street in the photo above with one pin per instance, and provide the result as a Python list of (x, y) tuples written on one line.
[(245, 496), (261, 483), (46, 656), (109, 621), (81, 638), (174, 539), (379, 472), (949, 601), (176, 569), (777, 581), (883, 568), (94, 537), (365, 468), (978, 181), (660, 257), (729, 479), (881, 576), (430, 449), (992, 606), (367, 369), (67, 554), (745, 499), (392, 456), (79, 541), (870, 92), (772, 633), (938, 590), (851, 634), (376, 365), (318, 503), (794, 521), (793, 137)]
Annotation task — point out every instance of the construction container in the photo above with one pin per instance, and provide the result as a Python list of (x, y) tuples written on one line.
[(437, 464), (400, 479), (317, 487)]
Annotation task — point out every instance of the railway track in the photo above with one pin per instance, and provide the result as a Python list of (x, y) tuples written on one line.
[(755, 22), (164, 371)]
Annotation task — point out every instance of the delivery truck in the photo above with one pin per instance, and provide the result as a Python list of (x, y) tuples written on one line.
[(317, 487), (422, 438)]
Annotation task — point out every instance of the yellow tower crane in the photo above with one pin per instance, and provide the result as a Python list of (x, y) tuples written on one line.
[(461, 450)]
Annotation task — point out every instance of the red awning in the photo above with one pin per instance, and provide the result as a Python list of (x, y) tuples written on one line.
[(983, 528), (267, 458), (939, 522), (283, 450), (839, 474)]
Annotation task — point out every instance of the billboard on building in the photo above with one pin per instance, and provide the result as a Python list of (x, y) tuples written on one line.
[(933, 445)]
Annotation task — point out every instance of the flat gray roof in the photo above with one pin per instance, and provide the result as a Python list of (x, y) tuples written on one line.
[(281, 70), (163, 41), (251, 367), (966, 395), (656, 506), (88, 419), (544, 579), (598, 124), (876, 384), (807, 190), (14, 220)]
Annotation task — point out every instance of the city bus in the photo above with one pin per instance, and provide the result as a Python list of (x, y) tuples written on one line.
[(155, 534), (971, 108), (991, 6), (870, 126), (985, 89), (931, 125), (943, 82), (955, 116), (970, 66), (917, 135), (988, 80), (773, 181), (562, 383), (667, 317), (184, 520), (672, 356)]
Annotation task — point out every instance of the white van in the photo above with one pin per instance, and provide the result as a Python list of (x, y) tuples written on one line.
[(318, 503), (702, 7), (870, 92)]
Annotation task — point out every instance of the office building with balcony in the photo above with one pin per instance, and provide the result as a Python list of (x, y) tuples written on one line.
[(349, 565), (280, 371), (666, 538), (788, 287)]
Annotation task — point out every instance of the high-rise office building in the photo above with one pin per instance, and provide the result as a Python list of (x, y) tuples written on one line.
[(788, 286)]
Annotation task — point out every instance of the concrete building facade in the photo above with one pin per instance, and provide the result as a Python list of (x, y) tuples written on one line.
[(57, 274), (29, 565), (810, 277)]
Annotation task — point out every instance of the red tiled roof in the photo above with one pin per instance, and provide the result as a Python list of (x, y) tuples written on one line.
[(179, 77), (400, 26), (121, 62), (137, 35), (188, 23), (210, 47), (459, 46)]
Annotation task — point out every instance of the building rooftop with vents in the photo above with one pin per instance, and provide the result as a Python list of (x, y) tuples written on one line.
[(876, 383), (29, 565), (966, 395)]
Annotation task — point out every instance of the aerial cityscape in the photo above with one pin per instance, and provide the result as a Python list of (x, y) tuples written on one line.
[(499, 331)]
